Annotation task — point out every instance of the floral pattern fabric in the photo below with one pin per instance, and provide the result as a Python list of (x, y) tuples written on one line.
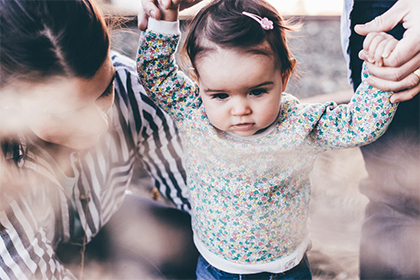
[(250, 196)]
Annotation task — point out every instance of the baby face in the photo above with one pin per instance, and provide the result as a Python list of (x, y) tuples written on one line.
[(241, 91)]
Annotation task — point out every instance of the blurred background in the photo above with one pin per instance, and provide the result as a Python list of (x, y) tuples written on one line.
[(337, 207)]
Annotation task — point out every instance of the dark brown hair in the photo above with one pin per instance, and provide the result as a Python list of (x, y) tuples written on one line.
[(43, 38), (221, 22), (40, 39)]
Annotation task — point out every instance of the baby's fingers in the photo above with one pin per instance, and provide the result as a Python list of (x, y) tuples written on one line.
[(367, 46), (374, 44), (384, 49), (389, 47)]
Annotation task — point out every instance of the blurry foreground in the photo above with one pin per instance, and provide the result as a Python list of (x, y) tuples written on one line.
[(336, 216)]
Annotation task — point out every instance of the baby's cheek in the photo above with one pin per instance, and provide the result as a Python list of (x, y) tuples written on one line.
[(217, 119)]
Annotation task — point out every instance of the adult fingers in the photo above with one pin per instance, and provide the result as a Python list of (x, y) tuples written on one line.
[(381, 77), (149, 9), (406, 48), (408, 82), (392, 73), (384, 22), (169, 4), (407, 12), (142, 19), (405, 95)]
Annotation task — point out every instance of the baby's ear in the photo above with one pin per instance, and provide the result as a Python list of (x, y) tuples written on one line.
[(193, 74)]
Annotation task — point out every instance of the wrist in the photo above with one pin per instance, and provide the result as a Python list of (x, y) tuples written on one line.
[(163, 27), (170, 14)]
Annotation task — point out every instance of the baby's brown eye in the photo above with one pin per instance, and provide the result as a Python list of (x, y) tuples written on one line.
[(220, 96), (258, 92)]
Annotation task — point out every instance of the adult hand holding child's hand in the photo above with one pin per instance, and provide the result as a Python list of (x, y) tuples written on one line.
[(400, 69), (151, 9)]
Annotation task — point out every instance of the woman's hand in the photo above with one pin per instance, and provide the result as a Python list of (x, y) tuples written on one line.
[(151, 9), (397, 72)]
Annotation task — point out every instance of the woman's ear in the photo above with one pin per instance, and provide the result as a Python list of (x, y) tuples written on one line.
[(286, 75), (193, 74)]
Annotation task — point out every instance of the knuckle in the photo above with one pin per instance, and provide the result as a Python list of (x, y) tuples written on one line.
[(378, 21), (412, 81), (395, 61), (397, 75)]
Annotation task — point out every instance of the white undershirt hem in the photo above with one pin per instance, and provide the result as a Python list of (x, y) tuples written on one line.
[(280, 265)]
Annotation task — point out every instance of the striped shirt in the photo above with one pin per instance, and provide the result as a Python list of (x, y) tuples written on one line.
[(47, 214)]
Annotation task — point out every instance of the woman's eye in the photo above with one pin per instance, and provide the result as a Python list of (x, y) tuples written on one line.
[(258, 92), (220, 96), (108, 91)]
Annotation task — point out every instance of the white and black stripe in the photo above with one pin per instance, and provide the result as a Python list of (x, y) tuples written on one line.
[(37, 221)]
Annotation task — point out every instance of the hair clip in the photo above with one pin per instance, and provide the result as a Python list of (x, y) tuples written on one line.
[(265, 23)]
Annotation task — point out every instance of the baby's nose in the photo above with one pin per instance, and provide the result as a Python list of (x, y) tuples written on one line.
[(241, 108)]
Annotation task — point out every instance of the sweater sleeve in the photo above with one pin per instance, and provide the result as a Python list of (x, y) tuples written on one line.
[(362, 121), (168, 87)]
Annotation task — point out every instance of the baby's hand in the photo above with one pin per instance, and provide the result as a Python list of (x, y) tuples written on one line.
[(156, 10), (377, 46)]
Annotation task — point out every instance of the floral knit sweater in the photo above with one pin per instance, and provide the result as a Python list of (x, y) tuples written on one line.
[(250, 196)]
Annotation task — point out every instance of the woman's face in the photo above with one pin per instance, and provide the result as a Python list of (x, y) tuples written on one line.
[(69, 111)]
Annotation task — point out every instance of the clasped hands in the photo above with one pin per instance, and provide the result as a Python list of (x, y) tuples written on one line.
[(394, 65)]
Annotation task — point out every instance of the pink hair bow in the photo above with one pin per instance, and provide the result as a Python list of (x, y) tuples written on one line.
[(265, 23)]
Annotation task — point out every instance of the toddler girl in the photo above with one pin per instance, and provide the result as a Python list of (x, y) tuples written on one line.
[(249, 146)]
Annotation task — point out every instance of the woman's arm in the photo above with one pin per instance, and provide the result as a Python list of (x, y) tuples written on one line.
[(25, 249), (152, 133)]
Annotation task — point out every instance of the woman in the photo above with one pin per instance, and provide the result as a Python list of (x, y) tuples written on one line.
[(73, 122)]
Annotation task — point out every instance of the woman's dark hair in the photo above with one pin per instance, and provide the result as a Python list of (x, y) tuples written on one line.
[(221, 22), (44, 38), (40, 39)]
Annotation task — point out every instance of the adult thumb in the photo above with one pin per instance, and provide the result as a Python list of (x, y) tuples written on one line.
[(384, 22)]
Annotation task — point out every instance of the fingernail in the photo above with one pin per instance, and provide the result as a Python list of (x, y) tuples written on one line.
[(153, 14)]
